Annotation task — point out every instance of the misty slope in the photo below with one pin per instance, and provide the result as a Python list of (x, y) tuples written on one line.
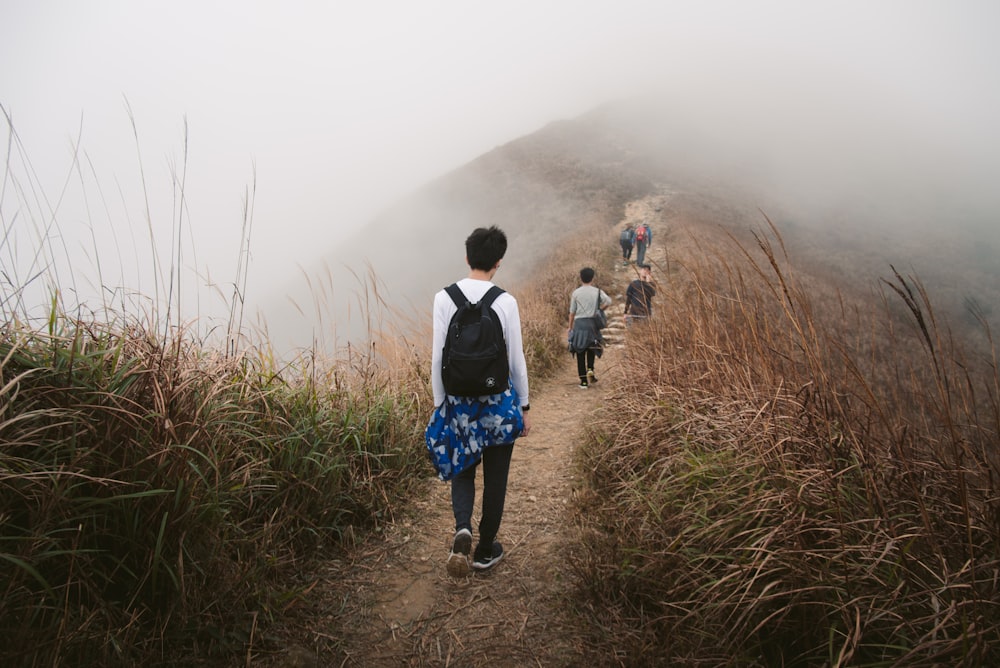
[(537, 188), (541, 186)]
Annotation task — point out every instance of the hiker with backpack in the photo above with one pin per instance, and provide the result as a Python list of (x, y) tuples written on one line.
[(643, 240), (480, 383), (639, 297), (585, 338), (627, 241)]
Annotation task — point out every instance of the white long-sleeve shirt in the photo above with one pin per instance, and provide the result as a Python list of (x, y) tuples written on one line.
[(510, 319)]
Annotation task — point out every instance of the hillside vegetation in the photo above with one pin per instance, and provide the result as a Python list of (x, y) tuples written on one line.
[(155, 497), (793, 471), (792, 474)]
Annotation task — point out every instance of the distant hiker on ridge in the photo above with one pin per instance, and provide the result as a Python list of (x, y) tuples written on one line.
[(643, 240), (482, 406), (627, 241), (585, 339)]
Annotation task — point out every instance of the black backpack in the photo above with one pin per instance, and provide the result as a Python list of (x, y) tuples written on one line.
[(474, 361)]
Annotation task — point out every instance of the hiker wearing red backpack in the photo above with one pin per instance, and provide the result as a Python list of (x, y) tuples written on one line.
[(465, 430), (643, 240)]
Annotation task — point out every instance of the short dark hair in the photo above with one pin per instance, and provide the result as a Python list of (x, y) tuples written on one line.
[(586, 274), (485, 247)]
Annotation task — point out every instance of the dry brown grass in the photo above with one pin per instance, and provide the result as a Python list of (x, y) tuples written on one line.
[(156, 496), (793, 475)]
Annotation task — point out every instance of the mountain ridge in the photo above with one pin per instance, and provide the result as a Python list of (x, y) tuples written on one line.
[(575, 173), (537, 188)]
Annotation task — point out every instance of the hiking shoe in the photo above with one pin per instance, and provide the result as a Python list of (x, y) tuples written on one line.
[(583, 385), (458, 560), (488, 561), (590, 376)]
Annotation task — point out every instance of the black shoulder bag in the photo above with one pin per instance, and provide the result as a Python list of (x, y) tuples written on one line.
[(599, 315)]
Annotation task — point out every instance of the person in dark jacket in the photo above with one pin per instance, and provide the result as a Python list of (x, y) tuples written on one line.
[(585, 339), (639, 297), (627, 241)]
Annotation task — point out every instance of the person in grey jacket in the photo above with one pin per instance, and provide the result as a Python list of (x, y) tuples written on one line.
[(585, 339)]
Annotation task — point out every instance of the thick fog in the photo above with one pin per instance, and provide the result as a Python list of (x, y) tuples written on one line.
[(141, 132)]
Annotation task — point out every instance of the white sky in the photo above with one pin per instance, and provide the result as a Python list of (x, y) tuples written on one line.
[(341, 107)]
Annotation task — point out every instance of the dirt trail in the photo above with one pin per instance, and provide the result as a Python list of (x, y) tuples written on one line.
[(394, 604), (406, 611)]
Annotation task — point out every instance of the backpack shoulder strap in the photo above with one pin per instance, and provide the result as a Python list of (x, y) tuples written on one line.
[(461, 300), (487, 305), (491, 295), (456, 295)]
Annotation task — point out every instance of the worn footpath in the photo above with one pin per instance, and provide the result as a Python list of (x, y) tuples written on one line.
[(393, 604)]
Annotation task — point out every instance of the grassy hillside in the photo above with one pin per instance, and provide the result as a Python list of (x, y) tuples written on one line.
[(794, 473), (156, 497), (800, 470)]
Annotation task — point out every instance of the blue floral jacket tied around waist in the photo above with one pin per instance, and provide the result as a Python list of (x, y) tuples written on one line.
[(461, 427)]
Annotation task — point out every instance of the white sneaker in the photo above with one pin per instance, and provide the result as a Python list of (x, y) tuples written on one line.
[(458, 560)]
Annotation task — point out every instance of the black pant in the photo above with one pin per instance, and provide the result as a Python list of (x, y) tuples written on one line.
[(584, 361), (496, 465)]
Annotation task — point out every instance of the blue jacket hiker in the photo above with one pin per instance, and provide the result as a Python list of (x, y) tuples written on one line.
[(464, 431)]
